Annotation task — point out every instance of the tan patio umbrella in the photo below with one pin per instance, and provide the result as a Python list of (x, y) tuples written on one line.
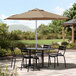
[(36, 14)]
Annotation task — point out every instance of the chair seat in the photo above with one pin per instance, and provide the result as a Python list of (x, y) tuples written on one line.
[(53, 55), (60, 54), (35, 57), (39, 54), (27, 56)]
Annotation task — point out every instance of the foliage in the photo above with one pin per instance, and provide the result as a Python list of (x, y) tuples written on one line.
[(17, 32), (71, 12), (4, 36), (73, 45), (4, 43), (56, 26), (29, 35), (19, 45), (6, 71), (33, 45), (14, 36), (42, 29), (17, 51), (3, 29), (55, 45), (2, 52), (64, 43)]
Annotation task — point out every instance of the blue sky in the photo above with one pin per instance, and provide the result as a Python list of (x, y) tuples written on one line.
[(9, 7)]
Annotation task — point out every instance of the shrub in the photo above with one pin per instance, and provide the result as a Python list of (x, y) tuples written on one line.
[(19, 44), (5, 43), (41, 36), (69, 46), (17, 51), (2, 52), (33, 45), (73, 45), (54, 36), (55, 45), (8, 52), (64, 43), (14, 36), (6, 71)]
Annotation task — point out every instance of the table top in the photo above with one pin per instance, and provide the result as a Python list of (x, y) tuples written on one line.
[(37, 48)]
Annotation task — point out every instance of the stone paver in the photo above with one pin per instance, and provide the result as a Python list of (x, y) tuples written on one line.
[(59, 71)]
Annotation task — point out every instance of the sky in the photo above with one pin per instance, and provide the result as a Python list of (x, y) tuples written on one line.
[(11, 7)]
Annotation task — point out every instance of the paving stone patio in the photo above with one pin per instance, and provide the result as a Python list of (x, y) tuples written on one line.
[(60, 70)]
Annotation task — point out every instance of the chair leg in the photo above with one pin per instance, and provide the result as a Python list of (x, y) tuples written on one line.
[(64, 61), (27, 66), (22, 63), (49, 61), (33, 64), (57, 61), (26, 62), (38, 64), (11, 62), (14, 63), (54, 62)]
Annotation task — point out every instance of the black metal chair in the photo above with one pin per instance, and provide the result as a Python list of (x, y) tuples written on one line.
[(36, 60), (25, 55), (13, 58), (60, 52), (47, 46)]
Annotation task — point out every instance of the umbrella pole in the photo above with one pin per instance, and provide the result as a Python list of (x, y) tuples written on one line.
[(36, 33)]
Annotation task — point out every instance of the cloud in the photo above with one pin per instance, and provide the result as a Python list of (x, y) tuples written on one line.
[(70, 5), (59, 10), (2, 16)]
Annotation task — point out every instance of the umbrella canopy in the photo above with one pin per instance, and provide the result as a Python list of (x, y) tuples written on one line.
[(36, 14), (70, 22)]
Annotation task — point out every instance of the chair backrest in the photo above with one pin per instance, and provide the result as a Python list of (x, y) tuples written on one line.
[(24, 52), (62, 49), (12, 50), (46, 46)]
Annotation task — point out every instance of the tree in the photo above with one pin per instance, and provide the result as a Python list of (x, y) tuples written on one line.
[(17, 32), (56, 26), (3, 30), (71, 12), (4, 38)]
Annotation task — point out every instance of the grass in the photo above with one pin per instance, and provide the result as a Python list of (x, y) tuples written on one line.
[(49, 41)]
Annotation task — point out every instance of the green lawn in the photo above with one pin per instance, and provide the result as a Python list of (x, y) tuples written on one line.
[(49, 41)]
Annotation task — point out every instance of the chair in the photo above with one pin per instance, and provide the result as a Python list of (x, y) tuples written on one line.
[(36, 60), (47, 46), (61, 52), (25, 55), (13, 59)]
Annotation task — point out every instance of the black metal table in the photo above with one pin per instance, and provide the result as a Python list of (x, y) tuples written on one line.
[(38, 49)]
